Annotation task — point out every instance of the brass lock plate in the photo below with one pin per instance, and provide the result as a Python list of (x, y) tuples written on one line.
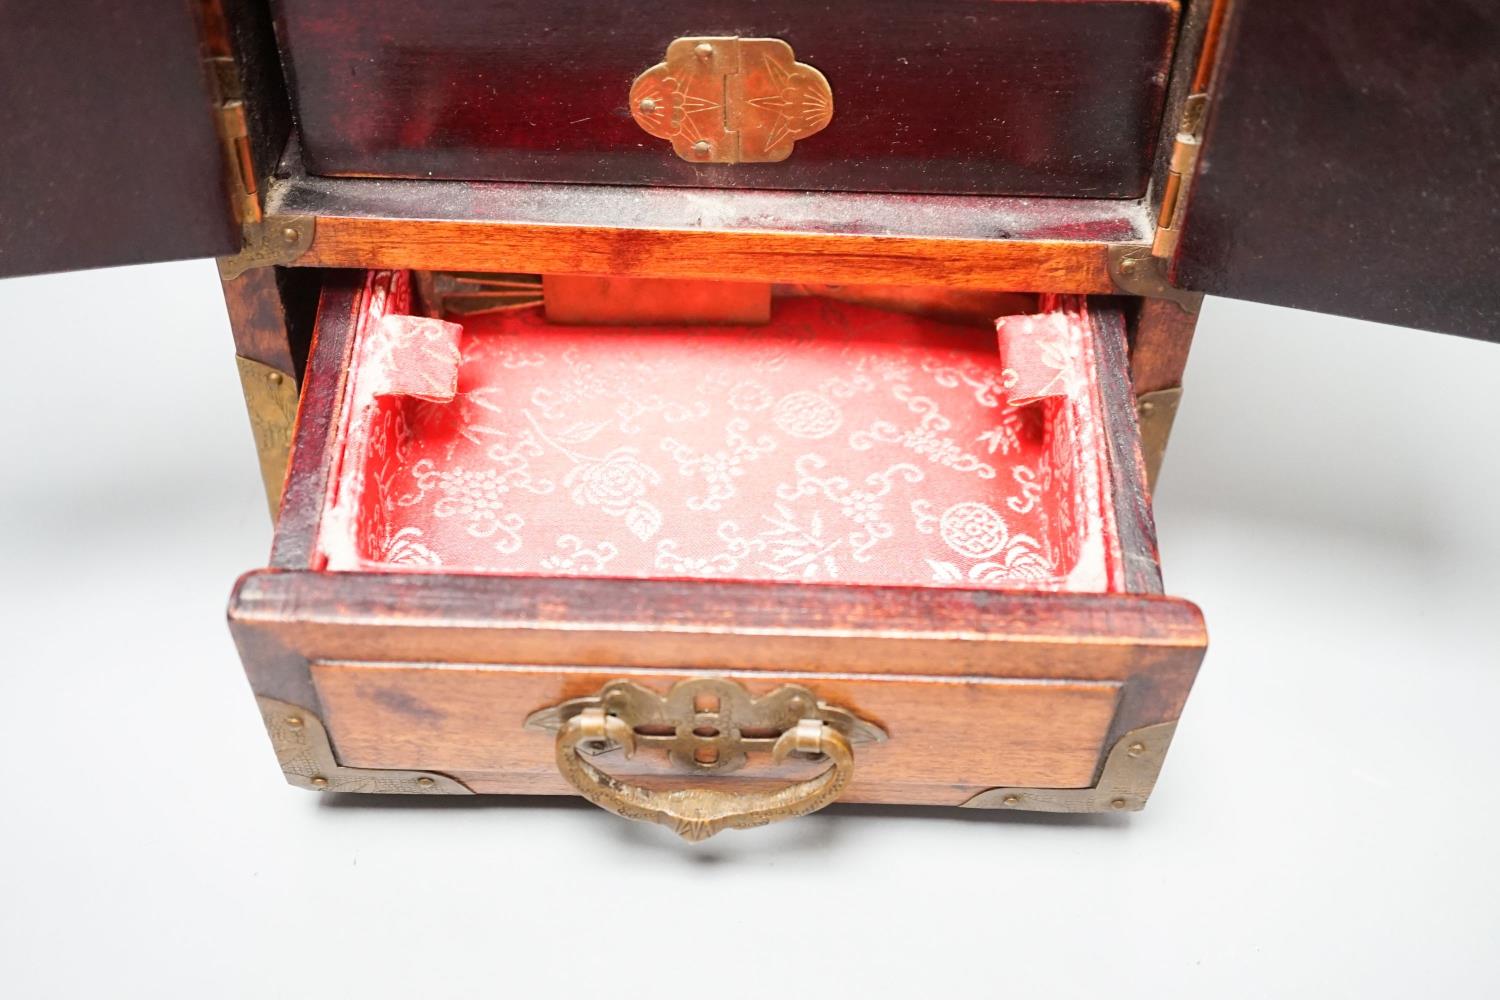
[(724, 99)]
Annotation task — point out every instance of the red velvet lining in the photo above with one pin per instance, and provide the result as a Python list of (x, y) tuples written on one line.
[(838, 444)]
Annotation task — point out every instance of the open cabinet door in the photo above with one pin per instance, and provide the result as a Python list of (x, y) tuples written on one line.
[(1351, 163), (108, 147)]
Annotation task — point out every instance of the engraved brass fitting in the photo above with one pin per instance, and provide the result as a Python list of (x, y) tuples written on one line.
[(707, 726), (731, 100)]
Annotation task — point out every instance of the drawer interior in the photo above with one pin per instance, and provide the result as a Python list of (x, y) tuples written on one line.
[(836, 443)]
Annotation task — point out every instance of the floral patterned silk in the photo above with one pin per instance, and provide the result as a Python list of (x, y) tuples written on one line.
[(838, 444)]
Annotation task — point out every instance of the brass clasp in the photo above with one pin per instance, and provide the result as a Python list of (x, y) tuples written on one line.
[(731, 100)]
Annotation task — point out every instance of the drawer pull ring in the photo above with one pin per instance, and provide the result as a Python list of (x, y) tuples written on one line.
[(707, 725), (699, 813)]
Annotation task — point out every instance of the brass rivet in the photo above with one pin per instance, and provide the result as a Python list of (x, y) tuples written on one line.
[(701, 147), (426, 782), (319, 781), (1147, 407), (648, 105), (1136, 749), (704, 50), (1011, 800), (1117, 804), (290, 234), (275, 378), (295, 721)]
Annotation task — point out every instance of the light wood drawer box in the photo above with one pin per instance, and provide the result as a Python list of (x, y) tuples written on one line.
[(418, 640)]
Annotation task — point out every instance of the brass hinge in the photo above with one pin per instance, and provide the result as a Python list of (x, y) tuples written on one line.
[(234, 136), (1180, 175), (264, 240)]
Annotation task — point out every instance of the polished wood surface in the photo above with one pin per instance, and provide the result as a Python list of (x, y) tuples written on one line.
[(995, 244), (284, 620), (271, 315), (1022, 97), (1135, 524), (108, 152), (1349, 163), (948, 737), (1011, 265), (1163, 334), (313, 437)]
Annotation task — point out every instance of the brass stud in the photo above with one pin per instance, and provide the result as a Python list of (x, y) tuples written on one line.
[(701, 147), (1136, 749), (275, 378), (703, 50), (295, 721), (647, 105), (1012, 800), (1147, 407), (291, 235), (319, 781), (426, 782), (1117, 804)]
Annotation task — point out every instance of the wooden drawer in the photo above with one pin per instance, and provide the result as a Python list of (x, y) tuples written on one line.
[(440, 607), (1016, 97)]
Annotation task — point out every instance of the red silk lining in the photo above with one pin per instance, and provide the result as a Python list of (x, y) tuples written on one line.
[(839, 444)]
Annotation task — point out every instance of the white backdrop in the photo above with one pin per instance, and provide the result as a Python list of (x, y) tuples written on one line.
[(1325, 825)]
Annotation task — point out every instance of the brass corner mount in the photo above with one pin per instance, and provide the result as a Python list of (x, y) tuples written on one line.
[(274, 239), (1135, 271), (307, 759), (1124, 784)]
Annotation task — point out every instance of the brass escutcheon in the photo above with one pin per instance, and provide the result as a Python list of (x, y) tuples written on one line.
[(731, 100), (707, 726)]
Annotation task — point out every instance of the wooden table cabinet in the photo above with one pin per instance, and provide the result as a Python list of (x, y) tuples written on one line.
[(722, 408)]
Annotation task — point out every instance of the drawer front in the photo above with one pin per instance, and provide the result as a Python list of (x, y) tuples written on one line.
[(1016, 97), (948, 738), (973, 690)]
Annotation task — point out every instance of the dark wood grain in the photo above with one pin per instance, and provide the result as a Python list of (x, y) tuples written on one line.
[(249, 40), (1002, 244), (1029, 97), (1350, 163), (258, 319), (284, 620), (108, 153), (1135, 526), (314, 438), (1162, 336)]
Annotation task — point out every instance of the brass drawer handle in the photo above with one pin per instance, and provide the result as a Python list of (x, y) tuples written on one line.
[(707, 725)]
